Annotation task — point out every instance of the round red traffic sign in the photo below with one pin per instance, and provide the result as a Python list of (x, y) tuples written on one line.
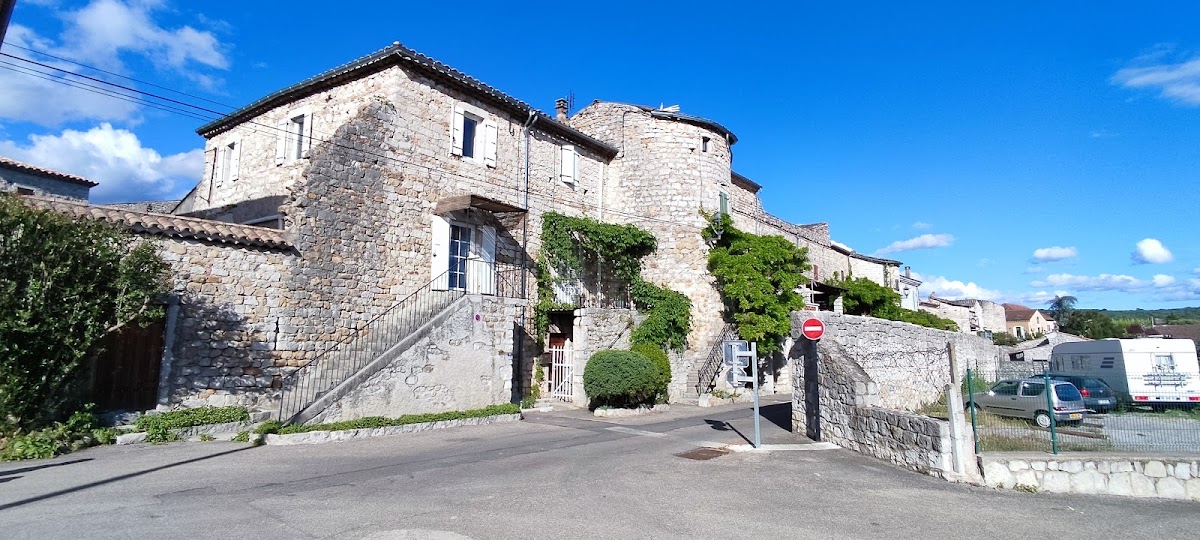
[(813, 329)]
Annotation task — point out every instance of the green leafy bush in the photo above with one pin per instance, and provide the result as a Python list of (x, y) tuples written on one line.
[(620, 379), (1004, 338), (661, 363), (272, 426), (668, 316), (78, 432), (64, 284), (528, 402), (160, 428), (242, 436), (379, 421)]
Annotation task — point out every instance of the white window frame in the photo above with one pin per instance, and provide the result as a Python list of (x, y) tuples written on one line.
[(568, 165), (228, 161), (481, 257), (483, 145), (294, 136)]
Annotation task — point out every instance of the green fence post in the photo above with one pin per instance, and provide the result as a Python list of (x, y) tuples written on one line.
[(971, 405), (1050, 411)]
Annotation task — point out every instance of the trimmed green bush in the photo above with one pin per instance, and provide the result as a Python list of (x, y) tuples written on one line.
[(159, 427), (661, 363), (620, 379), (379, 421)]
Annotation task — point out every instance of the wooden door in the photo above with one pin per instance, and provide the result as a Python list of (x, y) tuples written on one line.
[(127, 371)]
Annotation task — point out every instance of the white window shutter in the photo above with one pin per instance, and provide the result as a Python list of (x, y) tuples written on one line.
[(567, 164), (219, 168), (235, 161), (440, 252), (308, 134), (281, 142), (489, 145), (456, 130), (487, 253)]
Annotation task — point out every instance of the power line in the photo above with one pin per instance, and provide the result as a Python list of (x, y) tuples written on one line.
[(96, 90), (106, 72)]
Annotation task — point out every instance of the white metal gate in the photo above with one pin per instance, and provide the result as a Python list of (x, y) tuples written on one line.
[(560, 373)]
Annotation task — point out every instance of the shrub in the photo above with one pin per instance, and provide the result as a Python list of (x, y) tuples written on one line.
[(661, 363), (160, 428), (1004, 339), (620, 378), (78, 432), (379, 421), (242, 436)]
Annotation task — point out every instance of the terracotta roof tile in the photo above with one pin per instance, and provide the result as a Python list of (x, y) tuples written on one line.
[(26, 167), (168, 225)]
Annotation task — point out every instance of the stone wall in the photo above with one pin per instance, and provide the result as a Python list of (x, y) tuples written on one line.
[(961, 315), (595, 330), (850, 417), (1096, 474), (908, 362), (463, 363), (42, 186)]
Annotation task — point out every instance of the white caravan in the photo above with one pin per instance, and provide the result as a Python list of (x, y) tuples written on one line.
[(1144, 371)]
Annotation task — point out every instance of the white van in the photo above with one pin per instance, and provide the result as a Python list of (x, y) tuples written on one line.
[(1143, 371)]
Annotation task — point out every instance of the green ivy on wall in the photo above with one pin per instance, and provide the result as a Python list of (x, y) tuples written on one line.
[(570, 245), (758, 277)]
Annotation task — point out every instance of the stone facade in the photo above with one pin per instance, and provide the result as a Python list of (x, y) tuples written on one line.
[(596, 329), (464, 363), (972, 316), (17, 177), (909, 363), (1096, 474), (850, 416)]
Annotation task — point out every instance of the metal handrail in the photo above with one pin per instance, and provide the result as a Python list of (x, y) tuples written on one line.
[(342, 360), (712, 365)]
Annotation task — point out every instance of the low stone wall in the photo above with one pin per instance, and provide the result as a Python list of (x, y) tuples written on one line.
[(319, 437), (1144, 476), (849, 416), (910, 363)]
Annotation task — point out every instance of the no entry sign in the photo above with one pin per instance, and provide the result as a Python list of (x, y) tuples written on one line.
[(813, 329)]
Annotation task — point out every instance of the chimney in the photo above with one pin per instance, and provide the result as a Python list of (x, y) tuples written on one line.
[(908, 271), (560, 108)]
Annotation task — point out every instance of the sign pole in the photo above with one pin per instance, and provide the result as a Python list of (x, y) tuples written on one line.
[(754, 374)]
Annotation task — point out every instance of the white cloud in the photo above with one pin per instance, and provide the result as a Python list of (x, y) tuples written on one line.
[(126, 170), (1151, 251), (1033, 270), (1179, 82), (953, 289), (1054, 253), (925, 241), (1162, 280), (1102, 282), (100, 34), (1039, 298), (922, 226)]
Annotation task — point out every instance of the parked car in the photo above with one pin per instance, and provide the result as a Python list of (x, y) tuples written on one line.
[(1097, 396), (1026, 398)]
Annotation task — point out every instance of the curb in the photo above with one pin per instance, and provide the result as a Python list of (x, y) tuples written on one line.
[(321, 437)]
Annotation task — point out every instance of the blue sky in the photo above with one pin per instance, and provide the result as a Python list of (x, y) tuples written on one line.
[(1009, 152)]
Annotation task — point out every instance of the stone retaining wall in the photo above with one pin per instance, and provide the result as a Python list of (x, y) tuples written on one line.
[(1161, 477), (318, 437), (908, 362)]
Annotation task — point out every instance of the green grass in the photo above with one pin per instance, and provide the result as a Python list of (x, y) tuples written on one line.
[(379, 421), (160, 428)]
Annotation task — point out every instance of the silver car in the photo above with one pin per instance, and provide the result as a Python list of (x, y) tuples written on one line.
[(1026, 398)]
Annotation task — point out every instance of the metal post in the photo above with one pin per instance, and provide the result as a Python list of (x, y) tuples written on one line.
[(754, 374), (1050, 411), (971, 400)]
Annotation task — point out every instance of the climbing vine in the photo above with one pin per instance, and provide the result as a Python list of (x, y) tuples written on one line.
[(571, 245), (758, 277)]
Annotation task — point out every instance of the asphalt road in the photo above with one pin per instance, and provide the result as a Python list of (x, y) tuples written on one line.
[(554, 475)]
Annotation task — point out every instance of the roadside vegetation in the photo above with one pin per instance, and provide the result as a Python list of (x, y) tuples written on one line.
[(64, 284), (865, 297), (379, 421)]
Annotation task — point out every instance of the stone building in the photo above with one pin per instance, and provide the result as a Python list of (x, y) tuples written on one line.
[(973, 316), (1025, 322), (393, 181), (25, 179)]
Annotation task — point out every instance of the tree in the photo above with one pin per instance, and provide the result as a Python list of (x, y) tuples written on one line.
[(758, 277), (862, 296), (1093, 325), (1061, 309), (64, 284)]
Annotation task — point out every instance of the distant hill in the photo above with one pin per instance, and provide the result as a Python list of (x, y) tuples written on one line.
[(1163, 315)]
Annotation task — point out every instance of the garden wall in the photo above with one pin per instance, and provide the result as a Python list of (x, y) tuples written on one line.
[(1160, 477)]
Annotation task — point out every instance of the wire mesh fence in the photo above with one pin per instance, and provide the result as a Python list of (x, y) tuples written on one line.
[(1011, 409)]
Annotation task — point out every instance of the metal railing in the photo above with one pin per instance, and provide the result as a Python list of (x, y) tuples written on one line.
[(1142, 413), (333, 366), (708, 371)]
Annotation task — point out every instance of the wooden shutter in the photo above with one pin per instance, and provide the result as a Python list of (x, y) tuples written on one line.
[(308, 134), (456, 130), (281, 142), (235, 160), (219, 167), (487, 253), (567, 165), (489, 144), (439, 252)]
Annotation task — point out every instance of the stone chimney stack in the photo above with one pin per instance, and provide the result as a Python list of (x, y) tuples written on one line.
[(908, 271), (560, 108)]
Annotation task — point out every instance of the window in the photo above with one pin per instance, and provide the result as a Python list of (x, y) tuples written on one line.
[(474, 137), (724, 203), (460, 251), (228, 161), (295, 138), (1006, 388), (1019, 332), (568, 165), (704, 144), (270, 222), (463, 256), (1164, 362), (1032, 389), (24, 191)]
